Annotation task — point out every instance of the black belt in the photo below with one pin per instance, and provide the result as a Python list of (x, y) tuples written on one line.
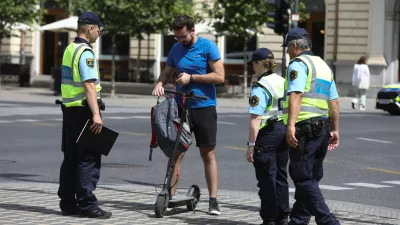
[(325, 122)]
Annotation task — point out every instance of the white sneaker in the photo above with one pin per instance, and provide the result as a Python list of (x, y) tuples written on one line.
[(214, 209)]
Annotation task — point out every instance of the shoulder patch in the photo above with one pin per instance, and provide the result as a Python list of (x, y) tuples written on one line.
[(293, 75), (253, 101), (90, 62)]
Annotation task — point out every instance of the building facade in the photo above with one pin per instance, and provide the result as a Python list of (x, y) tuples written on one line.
[(341, 31)]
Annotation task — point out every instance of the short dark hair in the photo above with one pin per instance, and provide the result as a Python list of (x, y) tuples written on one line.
[(183, 21), (362, 60)]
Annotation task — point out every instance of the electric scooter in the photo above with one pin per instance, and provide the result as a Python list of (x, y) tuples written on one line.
[(164, 198)]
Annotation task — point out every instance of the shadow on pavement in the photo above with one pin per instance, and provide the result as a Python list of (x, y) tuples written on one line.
[(28, 208)]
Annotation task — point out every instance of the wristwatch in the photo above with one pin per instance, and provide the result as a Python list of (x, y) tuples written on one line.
[(191, 78), (250, 144)]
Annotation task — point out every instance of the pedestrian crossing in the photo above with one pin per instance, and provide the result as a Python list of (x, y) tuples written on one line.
[(353, 186)]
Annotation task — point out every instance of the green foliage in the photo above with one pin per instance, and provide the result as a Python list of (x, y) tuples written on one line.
[(13, 12), (302, 7)]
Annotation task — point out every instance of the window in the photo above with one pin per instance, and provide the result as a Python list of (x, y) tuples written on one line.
[(234, 48), (121, 45), (168, 42)]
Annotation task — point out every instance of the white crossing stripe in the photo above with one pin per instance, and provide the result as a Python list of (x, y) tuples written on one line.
[(292, 190), (140, 117), (368, 185), (229, 123), (27, 120), (6, 121), (334, 188), (375, 140), (56, 119), (392, 182), (117, 118)]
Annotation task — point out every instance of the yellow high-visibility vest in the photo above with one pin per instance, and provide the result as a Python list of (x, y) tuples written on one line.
[(316, 94), (274, 85), (72, 89)]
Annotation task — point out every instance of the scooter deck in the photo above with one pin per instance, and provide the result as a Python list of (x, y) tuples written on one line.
[(180, 201)]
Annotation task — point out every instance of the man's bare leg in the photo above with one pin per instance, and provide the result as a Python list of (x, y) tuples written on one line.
[(177, 173), (210, 169)]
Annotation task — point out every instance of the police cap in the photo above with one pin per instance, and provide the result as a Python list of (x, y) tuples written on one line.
[(295, 34), (261, 54), (90, 18)]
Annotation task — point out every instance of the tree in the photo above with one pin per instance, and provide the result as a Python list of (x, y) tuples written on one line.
[(13, 12), (155, 16), (241, 19)]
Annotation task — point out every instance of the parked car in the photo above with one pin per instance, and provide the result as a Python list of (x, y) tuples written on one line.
[(388, 99)]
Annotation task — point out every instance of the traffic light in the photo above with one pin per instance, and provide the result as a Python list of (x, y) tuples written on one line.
[(280, 15)]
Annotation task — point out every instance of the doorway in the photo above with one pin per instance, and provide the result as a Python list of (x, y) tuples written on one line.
[(315, 25)]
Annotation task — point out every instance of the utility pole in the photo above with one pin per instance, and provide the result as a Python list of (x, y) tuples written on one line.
[(295, 16)]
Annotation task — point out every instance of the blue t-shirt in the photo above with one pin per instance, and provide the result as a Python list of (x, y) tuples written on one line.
[(258, 101), (87, 71), (194, 60), (299, 84)]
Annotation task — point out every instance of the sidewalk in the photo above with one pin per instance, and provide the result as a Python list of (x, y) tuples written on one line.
[(37, 203), (42, 95)]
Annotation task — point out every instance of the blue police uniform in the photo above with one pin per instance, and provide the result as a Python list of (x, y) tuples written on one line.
[(80, 169), (306, 168), (270, 154)]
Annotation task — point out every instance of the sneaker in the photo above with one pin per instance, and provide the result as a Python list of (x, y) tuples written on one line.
[(214, 209), (362, 108), (353, 105)]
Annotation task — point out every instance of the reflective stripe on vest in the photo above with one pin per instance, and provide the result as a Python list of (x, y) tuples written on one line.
[(274, 84), (72, 88), (316, 94)]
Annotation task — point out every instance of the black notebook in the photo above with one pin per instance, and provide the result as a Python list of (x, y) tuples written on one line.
[(101, 143)]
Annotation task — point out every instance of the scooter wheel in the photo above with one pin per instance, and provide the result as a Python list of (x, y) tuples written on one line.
[(194, 191), (161, 205)]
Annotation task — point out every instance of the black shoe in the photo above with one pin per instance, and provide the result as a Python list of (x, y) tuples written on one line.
[(213, 208), (283, 221), (70, 212), (96, 213), (353, 105)]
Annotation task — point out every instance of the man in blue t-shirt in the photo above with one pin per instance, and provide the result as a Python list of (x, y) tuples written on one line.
[(199, 66)]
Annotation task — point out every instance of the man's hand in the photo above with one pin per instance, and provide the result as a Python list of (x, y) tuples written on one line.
[(333, 140), (183, 79), (158, 89), (291, 136), (97, 124), (249, 154)]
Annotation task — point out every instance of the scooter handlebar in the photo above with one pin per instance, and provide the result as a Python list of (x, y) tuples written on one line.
[(186, 95)]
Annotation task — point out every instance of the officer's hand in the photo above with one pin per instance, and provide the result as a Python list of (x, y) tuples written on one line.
[(291, 136), (97, 125), (158, 90), (249, 154), (183, 79), (333, 140)]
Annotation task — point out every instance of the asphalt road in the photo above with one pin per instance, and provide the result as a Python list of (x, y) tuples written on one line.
[(365, 168)]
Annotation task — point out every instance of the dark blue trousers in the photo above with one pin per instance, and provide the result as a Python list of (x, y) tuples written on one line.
[(80, 169), (270, 162), (306, 171)]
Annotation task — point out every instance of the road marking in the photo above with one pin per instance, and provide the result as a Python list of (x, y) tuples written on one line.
[(56, 119), (292, 190), (236, 148), (368, 185), (383, 170), (27, 120), (375, 140), (236, 115), (46, 124), (139, 117), (229, 123), (133, 133), (117, 118), (392, 182), (334, 188), (6, 121)]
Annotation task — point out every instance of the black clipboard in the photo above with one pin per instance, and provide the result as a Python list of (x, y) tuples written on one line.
[(101, 143)]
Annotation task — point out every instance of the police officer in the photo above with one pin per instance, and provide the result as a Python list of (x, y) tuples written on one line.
[(311, 113), (267, 148), (80, 169)]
